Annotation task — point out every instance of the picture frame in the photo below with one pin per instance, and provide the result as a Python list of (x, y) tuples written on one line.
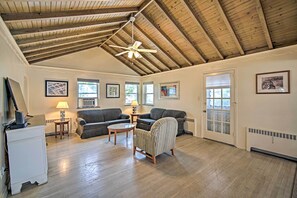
[(273, 82), (56, 88), (169, 90), (112, 90)]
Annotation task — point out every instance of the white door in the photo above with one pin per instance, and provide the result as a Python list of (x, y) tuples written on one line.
[(219, 107)]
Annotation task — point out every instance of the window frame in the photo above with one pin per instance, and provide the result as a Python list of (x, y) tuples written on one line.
[(144, 93), (81, 80), (138, 91)]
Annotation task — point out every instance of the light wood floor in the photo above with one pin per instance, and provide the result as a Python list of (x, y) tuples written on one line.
[(201, 168)]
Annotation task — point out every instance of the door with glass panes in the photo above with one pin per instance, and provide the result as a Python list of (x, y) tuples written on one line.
[(218, 105)]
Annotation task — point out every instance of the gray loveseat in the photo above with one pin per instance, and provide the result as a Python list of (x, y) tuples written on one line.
[(93, 123), (145, 121)]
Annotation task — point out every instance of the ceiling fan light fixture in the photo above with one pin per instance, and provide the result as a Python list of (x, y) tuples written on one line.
[(130, 54)]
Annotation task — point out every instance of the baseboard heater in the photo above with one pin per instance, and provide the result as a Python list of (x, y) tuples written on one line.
[(281, 144)]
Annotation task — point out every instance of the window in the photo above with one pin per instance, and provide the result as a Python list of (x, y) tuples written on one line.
[(148, 93), (88, 93), (131, 92)]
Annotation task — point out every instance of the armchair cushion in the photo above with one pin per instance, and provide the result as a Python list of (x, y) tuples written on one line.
[(156, 113)]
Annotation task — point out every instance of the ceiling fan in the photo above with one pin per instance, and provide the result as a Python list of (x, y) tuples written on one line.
[(133, 49)]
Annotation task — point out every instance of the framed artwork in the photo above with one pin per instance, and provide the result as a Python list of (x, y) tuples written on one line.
[(169, 90), (273, 82), (112, 90), (56, 88)]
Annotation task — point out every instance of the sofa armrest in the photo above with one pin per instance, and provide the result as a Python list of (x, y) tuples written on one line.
[(124, 116), (81, 121), (180, 119), (147, 115)]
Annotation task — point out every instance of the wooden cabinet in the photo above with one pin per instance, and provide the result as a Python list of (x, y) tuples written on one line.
[(27, 154)]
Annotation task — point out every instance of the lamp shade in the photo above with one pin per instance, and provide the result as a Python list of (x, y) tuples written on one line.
[(134, 103), (62, 105)]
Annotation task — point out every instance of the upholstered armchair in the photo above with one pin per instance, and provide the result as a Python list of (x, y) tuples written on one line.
[(161, 138)]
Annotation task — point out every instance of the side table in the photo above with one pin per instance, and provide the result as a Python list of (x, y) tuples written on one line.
[(62, 130), (134, 115)]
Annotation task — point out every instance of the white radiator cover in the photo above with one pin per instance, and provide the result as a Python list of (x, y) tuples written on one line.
[(277, 142)]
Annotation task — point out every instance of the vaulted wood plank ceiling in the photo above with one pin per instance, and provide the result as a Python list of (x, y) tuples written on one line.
[(184, 32)]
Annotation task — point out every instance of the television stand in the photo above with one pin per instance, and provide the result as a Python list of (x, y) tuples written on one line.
[(27, 154)]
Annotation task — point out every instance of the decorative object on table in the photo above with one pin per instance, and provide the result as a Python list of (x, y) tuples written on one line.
[(161, 138), (117, 128), (169, 90), (145, 121), (273, 82), (56, 88), (112, 90), (93, 123), (62, 106), (62, 130), (134, 105)]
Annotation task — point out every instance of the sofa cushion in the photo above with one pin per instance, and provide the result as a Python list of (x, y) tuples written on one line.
[(96, 125), (118, 121), (91, 116), (146, 121), (174, 114), (156, 113), (111, 114)]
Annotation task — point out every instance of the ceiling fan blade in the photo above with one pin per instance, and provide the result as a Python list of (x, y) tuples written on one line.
[(136, 44), (118, 47), (121, 53), (137, 54), (130, 54), (147, 50)]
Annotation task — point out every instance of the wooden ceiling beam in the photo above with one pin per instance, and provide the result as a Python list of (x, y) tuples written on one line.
[(229, 26), (136, 62), (66, 35), (144, 57), (167, 39), (105, 47), (68, 26), (147, 47), (30, 16), (264, 24), (62, 42), (138, 59), (61, 54), (160, 5), (143, 6), (158, 46), (59, 48), (190, 11)]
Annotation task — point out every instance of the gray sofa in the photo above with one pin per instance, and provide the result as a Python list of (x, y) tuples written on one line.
[(145, 121), (93, 123)]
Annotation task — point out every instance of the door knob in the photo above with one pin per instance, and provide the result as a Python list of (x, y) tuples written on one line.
[(204, 111)]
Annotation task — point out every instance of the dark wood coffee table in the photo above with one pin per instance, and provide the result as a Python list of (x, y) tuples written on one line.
[(118, 128)]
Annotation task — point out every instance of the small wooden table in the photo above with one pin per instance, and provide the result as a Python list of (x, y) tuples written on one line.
[(134, 115), (117, 128), (61, 124)]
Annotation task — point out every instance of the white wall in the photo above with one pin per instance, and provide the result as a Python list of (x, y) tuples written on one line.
[(268, 111), (12, 66), (39, 104), (94, 59)]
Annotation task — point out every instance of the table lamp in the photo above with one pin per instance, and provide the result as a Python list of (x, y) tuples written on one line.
[(62, 106), (134, 104)]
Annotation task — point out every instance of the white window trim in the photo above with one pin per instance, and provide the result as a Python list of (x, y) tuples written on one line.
[(144, 93), (138, 91)]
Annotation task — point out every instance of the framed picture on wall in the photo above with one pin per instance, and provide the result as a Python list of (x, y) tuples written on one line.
[(169, 90), (112, 90), (56, 88), (273, 82)]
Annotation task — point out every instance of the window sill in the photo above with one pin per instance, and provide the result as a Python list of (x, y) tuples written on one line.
[(148, 105), (97, 107)]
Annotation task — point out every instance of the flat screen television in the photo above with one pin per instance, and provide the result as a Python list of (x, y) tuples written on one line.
[(15, 92)]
